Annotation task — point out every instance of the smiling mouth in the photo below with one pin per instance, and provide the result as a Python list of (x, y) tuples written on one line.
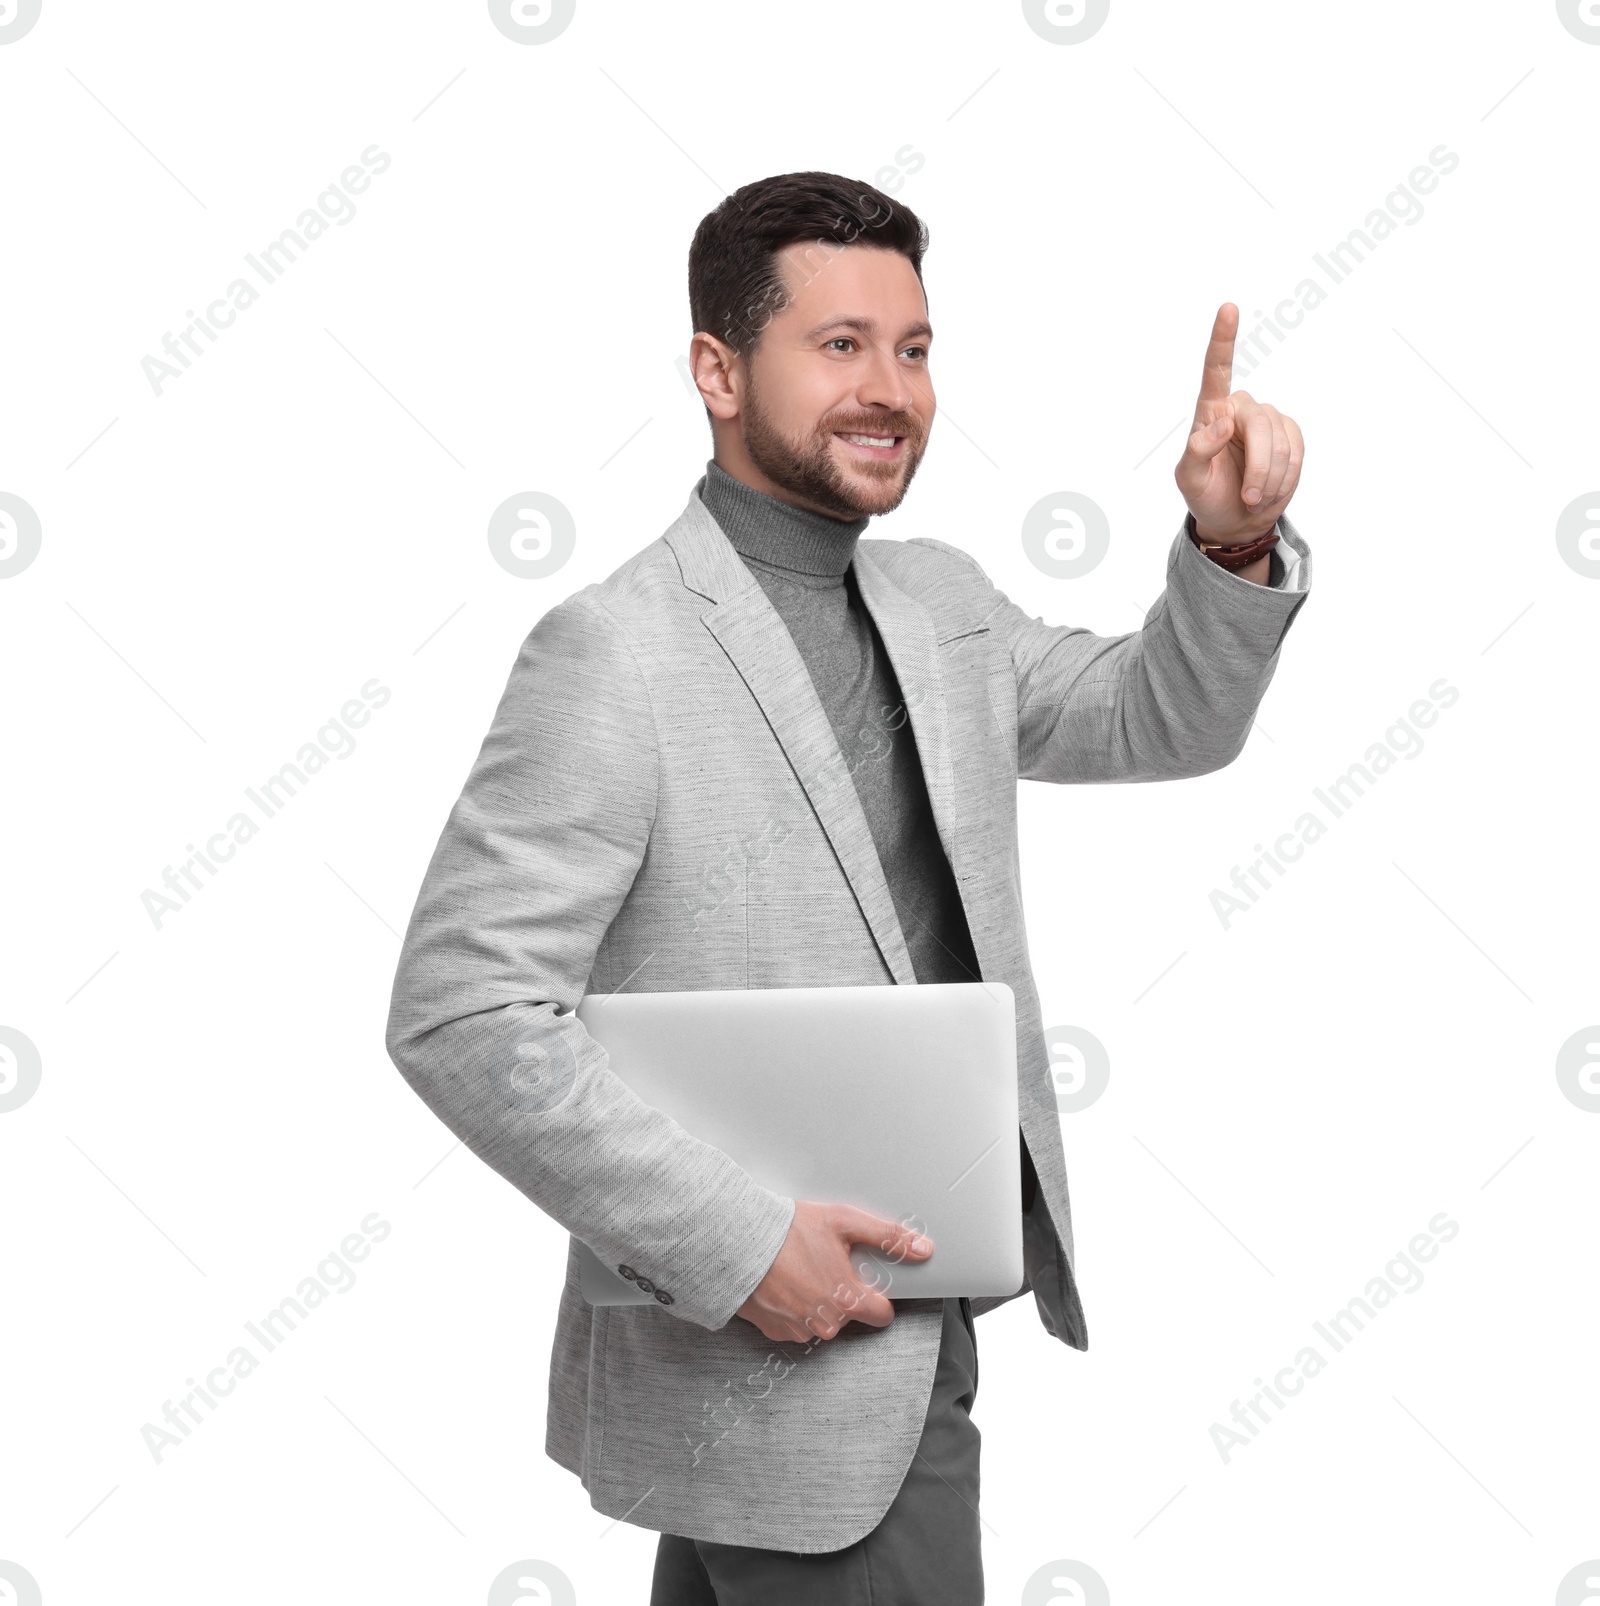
[(878, 446)]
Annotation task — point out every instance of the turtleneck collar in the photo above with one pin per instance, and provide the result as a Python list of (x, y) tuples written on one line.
[(770, 532)]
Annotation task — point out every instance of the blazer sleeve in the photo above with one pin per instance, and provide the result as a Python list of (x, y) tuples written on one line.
[(534, 862), (1174, 698)]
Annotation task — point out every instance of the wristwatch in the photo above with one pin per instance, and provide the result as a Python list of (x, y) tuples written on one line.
[(1238, 555)]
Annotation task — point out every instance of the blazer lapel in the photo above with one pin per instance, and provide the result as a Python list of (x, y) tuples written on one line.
[(758, 643), (908, 632)]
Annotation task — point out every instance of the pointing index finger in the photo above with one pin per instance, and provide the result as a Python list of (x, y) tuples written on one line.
[(1216, 380)]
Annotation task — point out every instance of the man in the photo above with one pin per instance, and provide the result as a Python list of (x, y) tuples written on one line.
[(767, 752)]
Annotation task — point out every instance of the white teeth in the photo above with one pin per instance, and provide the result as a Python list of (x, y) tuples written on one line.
[(871, 440)]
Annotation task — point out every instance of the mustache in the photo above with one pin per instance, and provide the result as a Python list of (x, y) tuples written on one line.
[(907, 424)]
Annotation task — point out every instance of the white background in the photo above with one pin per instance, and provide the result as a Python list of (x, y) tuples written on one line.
[(225, 564)]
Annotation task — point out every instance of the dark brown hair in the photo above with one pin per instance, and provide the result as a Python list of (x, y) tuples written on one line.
[(735, 288)]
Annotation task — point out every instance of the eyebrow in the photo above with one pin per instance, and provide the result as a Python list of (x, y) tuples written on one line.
[(868, 326)]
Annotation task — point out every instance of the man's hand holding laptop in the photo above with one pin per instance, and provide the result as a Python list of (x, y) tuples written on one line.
[(812, 1290)]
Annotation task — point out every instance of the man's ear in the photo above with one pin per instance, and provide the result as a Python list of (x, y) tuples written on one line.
[(718, 375)]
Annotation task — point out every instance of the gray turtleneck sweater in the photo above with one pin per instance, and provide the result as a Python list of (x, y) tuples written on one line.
[(803, 562)]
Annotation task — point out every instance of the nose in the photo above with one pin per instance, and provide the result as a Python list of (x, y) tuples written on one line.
[(885, 383)]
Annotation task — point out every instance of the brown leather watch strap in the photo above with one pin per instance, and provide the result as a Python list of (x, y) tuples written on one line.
[(1236, 557)]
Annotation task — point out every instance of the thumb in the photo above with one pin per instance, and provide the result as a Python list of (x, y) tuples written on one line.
[(893, 1238), (1204, 444)]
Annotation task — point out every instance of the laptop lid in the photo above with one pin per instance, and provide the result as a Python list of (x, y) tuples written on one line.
[(901, 1100)]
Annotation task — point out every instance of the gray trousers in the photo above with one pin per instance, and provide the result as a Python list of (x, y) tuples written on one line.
[(925, 1549)]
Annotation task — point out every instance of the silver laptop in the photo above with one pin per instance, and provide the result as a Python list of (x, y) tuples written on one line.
[(902, 1100)]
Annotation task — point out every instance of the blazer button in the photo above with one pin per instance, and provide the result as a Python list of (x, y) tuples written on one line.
[(646, 1285), (629, 1273), (663, 1296)]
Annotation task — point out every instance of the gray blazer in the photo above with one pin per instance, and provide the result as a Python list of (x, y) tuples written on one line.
[(661, 804)]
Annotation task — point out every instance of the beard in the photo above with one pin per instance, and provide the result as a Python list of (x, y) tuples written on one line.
[(810, 470)]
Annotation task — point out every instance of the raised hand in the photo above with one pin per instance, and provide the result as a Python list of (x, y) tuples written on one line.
[(1242, 460)]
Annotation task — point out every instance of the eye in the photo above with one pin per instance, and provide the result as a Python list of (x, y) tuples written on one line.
[(916, 353), (840, 342)]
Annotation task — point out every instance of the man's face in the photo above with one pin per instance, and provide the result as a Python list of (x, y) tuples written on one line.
[(838, 399)]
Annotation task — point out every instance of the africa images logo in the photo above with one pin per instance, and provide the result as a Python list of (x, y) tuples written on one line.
[(16, 18), (531, 22)]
